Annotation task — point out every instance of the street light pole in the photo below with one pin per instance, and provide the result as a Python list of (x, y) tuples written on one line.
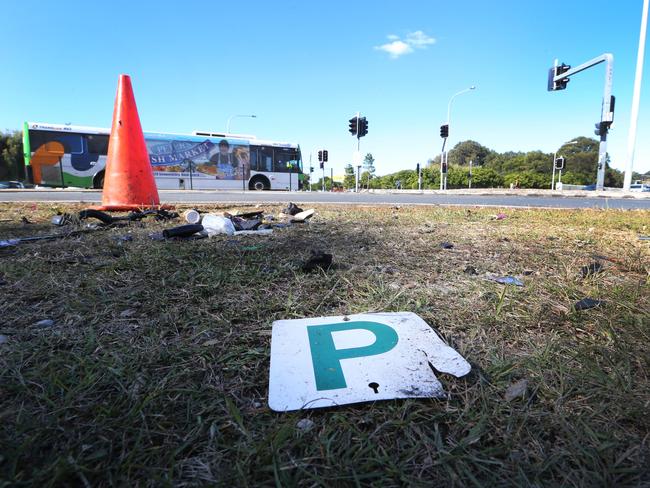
[(443, 156), (636, 98), (235, 116)]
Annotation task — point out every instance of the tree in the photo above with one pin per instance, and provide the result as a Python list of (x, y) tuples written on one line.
[(467, 151), (349, 180), (11, 156), (369, 169)]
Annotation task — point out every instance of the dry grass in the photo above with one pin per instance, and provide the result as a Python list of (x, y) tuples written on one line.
[(156, 370)]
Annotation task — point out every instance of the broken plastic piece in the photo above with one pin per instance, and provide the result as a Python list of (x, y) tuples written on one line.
[(292, 209), (192, 216), (318, 259), (587, 303), (182, 231), (508, 280), (591, 269), (333, 361), (303, 216), (260, 232)]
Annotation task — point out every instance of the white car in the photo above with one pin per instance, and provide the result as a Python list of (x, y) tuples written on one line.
[(639, 187)]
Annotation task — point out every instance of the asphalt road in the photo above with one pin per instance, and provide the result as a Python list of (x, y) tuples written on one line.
[(167, 196)]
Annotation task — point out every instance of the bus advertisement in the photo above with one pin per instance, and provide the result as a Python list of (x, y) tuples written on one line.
[(75, 156)]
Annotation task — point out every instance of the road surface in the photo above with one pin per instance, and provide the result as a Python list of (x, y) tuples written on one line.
[(388, 198)]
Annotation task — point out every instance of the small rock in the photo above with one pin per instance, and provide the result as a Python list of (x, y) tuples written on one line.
[(127, 313), (45, 323), (470, 270), (528, 272), (516, 390), (446, 245), (305, 425)]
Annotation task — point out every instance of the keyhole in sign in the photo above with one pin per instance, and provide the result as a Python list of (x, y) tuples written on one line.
[(374, 386)]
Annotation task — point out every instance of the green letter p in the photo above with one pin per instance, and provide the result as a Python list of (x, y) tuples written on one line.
[(327, 359)]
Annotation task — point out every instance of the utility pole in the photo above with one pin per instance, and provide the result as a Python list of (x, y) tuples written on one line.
[(419, 172), (331, 179), (636, 98), (558, 78), (470, 175)]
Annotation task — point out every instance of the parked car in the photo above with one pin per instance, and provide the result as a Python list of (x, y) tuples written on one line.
[(11, 184), (639, 187)]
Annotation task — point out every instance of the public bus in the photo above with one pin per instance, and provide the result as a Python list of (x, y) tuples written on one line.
[(75, 156)]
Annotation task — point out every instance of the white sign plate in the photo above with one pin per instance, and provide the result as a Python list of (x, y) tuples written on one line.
[(330, 361)]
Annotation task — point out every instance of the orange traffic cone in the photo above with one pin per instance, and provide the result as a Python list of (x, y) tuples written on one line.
[(128, 180)]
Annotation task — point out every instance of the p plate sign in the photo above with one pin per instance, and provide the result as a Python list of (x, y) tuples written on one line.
[(328, 361)]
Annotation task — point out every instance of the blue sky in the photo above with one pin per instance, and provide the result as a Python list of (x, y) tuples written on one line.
[(304, 68)]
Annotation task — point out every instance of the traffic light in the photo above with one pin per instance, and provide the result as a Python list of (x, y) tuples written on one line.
[(557, 71), (417, 169), (311, 169), (325, 156), (320, 156), (354, 125), (559, 163), (444, 131), (602, 128), (322, 165), (444, 168), (363, 127)]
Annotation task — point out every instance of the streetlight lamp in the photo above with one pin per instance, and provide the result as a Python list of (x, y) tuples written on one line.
[(554, 159), (235, 116), (443, 156)]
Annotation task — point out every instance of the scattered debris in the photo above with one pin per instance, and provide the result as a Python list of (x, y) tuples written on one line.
[(318, 259), (182, 231), (305, 425), (103, 217), (241, 223), (303, 216), (124, 238), (528, 272), (499, 216), (26, 221), (508, 280), (45, 323), (259, 232), (192, 216), (446, 245), (292, 209), (3, 339), (591, 269), (516, 390), (644, 238), (587, 303), (470, 270), (402, 361), (15, 242), (61, 219), (217, 224)]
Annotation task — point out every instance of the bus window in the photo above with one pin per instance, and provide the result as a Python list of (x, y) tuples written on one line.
[(252, 151), (97, 144), (265, 159), (285, 157)]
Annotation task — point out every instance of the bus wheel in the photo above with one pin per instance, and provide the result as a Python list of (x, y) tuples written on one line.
[(259, 183), (98, 181)]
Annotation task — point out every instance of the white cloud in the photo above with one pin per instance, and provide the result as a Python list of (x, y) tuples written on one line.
[(419, 39), (395, 49), (398, 47)]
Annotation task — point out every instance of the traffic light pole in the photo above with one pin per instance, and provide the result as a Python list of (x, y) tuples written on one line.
[(607, 113), (442, 163), (553, 177)]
